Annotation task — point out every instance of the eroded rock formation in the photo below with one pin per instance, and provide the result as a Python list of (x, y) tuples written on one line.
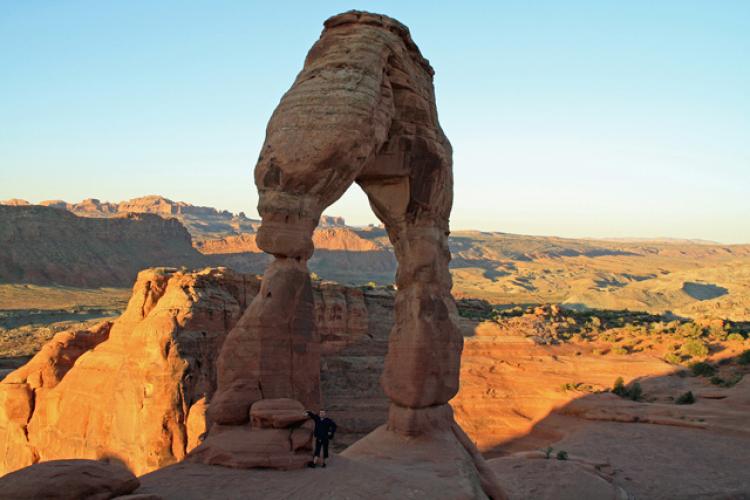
[(133, 390), (361, 110), (69, 480), (138, 389)]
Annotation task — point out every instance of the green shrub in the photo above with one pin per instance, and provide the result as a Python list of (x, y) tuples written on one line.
[(548, 452), (562, 455), (727, 383), (696, 348), (634, 392), (736, 337), (686, 399), (690, 330), (619, 387), (608, 337), (744, 358), (703, 369), (620, 350), (673, 358)]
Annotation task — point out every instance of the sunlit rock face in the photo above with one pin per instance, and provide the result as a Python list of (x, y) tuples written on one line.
[(361, 110), (126, 390)]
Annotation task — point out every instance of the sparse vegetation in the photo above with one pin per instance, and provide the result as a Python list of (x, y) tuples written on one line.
[(673, 358), (702, 369), (685, 399), (578, 387), (634, 392), (562, 455), (727, 383), (744, 358), (696, 348)]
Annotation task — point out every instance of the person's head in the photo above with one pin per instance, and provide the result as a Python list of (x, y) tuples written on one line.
[(322, 412)]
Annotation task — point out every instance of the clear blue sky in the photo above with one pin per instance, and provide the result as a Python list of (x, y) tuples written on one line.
[(600, 118)]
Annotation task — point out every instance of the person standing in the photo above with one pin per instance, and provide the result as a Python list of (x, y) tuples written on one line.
[(325, 428)]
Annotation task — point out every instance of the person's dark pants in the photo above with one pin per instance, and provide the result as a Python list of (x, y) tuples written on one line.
[(321, 443)]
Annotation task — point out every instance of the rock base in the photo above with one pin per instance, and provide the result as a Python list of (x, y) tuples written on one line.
[(429, 456), (278, 436)]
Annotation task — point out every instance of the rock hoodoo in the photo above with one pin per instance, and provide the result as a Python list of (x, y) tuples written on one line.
[(362, 110)]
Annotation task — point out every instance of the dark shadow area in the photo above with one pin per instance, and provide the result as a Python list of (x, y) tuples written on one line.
[(16, 318), (675, 436), (703, 291)]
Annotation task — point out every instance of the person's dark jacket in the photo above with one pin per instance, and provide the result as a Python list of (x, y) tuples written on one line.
[(325, 428)]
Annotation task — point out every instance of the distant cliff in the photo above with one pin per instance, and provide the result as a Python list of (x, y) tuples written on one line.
[(201, 222), (44, 245)]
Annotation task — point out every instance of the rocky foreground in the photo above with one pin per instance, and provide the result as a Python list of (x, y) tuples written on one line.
[(134, 391)]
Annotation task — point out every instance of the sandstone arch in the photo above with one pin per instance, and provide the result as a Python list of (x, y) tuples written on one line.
[(361, 110)]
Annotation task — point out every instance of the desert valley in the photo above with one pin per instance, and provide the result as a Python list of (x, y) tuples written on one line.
[(550, 325), (155, 349)]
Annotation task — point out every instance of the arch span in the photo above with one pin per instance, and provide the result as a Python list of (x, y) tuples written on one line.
[(361, 110)]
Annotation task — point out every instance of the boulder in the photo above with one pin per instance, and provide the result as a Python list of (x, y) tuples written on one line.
[(276, 413), (68, 480)]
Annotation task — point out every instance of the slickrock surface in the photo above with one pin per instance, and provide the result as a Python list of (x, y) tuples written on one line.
[(44, 245), (68, 480)]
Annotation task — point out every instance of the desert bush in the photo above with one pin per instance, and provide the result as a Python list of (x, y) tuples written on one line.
[(735, 337), (691, 330), (634, 392), (608, 337), (673, 358), (703, 369), (727, 383), (619, 387), (744, 358), (695, 347), (686, 399), (620, 350), (548, 452), (562, 455)]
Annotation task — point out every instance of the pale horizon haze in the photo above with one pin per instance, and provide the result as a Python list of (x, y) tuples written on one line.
[(573, 119)]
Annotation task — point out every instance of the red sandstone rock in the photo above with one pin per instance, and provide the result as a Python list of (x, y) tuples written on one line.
[(362, 109), (128, 396), (276, 413), (68, 480)]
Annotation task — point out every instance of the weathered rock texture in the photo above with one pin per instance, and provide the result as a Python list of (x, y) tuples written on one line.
[(68, 480), (362, 110), (126, 390), (139, 389)]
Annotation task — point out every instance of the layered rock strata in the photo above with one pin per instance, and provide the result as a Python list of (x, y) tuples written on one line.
[(361, 110)]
